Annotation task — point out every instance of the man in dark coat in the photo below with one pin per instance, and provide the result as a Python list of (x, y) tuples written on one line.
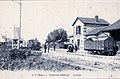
[(48, 48), (72, 48), (75, 48), (54, 46), (45, 47)]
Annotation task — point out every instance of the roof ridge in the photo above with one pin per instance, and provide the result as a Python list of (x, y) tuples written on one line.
[(87, 20), (90, 18), (115, 22)]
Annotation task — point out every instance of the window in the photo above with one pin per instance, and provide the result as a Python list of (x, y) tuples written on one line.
[(21, 41), (15, 41), (84, 29), (72, 41), (78, 30)]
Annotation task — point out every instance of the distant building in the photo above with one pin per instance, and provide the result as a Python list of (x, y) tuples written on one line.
[(70, 39), (15, 43), (82, 26)]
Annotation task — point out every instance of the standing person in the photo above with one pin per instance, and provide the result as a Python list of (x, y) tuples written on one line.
[(72, 48), (69, 47), (54, 46), (45, 47), (75, 48), (48, 48)]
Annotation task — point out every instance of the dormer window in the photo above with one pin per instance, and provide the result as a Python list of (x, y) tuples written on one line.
[(78, 30)]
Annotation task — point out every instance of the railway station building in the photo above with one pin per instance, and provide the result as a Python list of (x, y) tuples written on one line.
[(82, 26)]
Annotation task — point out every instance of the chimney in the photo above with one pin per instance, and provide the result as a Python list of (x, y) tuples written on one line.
[(96, 18)]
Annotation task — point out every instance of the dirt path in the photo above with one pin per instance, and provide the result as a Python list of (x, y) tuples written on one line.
[(92, 62)]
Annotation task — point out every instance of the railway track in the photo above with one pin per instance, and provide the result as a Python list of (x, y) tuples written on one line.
[(87, 62), (78, 66)]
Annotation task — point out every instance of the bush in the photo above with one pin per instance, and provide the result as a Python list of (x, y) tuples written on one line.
[(18, 54)]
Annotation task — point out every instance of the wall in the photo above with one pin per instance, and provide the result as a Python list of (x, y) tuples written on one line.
[(79, 37)]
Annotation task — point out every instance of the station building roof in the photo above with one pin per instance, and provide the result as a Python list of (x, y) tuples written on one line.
[(114, 26), (94, 21), (96, 31)]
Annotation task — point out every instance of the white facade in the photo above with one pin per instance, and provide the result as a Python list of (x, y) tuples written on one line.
[(78, 39), (15, 43)]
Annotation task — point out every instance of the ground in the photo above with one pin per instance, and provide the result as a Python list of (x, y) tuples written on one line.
[(60, 62), (86, 62)]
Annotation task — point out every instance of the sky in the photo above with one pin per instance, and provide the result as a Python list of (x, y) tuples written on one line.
[(42, 16)]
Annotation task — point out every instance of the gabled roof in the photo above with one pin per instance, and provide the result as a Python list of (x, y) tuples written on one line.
[(91, 21), (114, 26), (97, 31)]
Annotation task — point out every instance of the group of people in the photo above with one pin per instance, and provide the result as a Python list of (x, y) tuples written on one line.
[(72, 48), (47, 47)]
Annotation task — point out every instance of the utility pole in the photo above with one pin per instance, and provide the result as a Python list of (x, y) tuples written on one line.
[(6, 36), (20, 24)]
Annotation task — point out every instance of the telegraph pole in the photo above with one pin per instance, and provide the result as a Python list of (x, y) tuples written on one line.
[(20, 23)]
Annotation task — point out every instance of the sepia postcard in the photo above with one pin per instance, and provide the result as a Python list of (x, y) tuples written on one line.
[(59, 39)]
